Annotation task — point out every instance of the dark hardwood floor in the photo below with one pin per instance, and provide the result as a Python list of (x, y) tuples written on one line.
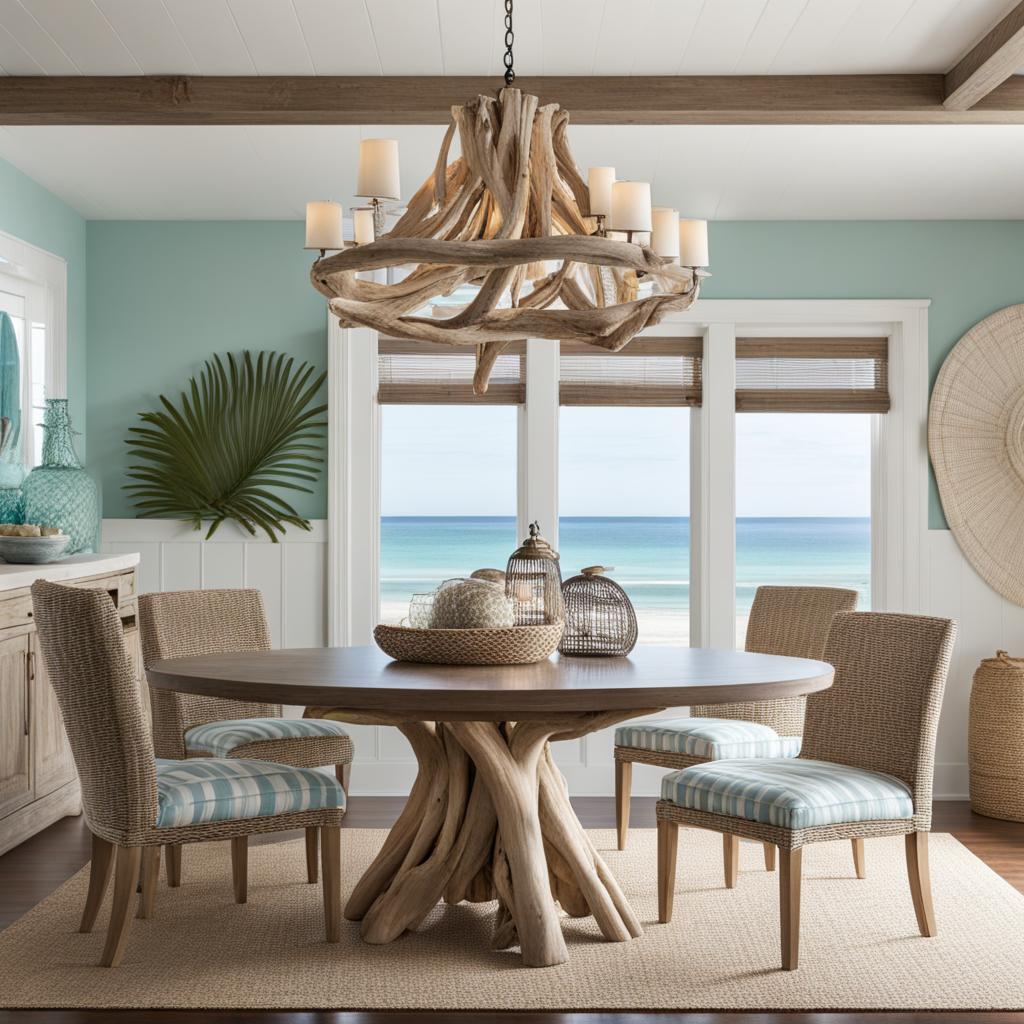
[(33, 870)]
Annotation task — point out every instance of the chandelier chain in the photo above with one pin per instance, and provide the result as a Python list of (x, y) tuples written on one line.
[(510, 75)]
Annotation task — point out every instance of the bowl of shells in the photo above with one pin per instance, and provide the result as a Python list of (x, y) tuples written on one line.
[(29, 544)]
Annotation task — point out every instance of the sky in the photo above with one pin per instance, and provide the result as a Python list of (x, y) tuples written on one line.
[(461, 460)]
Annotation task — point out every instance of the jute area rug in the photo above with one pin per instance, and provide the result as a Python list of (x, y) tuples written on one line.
[(860, 948)]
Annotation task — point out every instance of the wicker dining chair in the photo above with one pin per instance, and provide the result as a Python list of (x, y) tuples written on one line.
[(865, 769), (187, 623), (135, 803), (792, 621)]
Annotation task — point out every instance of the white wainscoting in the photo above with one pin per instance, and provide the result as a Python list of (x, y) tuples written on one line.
[(292, 576)]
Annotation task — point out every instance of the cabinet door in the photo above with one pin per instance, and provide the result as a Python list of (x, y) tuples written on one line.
[(15, 725), (54, 765)]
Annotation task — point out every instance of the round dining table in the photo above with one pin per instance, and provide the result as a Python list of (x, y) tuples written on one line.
[(488, 817)]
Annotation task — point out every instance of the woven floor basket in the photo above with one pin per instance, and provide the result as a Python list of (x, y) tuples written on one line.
[(996, 738), (517, 645)]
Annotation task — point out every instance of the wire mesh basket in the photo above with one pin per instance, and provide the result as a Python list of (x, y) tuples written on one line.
[(599, 617)]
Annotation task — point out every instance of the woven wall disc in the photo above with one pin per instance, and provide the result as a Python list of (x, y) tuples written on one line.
[(976, 442)]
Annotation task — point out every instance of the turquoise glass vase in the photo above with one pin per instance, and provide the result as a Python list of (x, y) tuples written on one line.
[(60, 492)]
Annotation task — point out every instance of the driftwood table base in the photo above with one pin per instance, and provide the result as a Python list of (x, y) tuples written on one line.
[(489, 818)]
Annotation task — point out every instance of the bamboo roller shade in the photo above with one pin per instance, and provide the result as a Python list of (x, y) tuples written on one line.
[(772, 374), (812, 375), (647, 372), (421, 373)]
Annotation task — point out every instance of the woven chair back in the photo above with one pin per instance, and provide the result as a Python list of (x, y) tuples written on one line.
[(190, 623), (82, 642), (882, 711), (792, 621)]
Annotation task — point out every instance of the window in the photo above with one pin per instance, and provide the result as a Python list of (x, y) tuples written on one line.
[(624, 443), (827, 486), (803, 476), (24, 302), (447, 469)]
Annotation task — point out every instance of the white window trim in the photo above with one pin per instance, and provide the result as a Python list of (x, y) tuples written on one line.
[(353, 486), (29, 262), (899, 498), (537, 454)]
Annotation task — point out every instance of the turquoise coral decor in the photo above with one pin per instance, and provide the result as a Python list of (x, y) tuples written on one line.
[(244, 432), (10, 378), (12, 472), (60, 492)]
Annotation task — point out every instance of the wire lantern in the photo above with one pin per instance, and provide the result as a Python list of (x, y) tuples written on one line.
[(533, 579), (599, 617)]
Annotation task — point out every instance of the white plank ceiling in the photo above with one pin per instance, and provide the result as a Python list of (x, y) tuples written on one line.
[(463, 37), (719, 172)]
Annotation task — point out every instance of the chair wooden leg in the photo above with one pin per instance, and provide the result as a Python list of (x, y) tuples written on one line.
[(240, 867), (731, 857), (769, 856), (668, 845), (99, 878), (126, 878), (858, 858), (623, 784), (330, 852), (311, 854), (789, 906), (172, 860), (920, 882), (343, 773), (150, 868)]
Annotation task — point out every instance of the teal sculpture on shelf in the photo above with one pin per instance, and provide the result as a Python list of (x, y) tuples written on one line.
[(12, 472), (60, 492)]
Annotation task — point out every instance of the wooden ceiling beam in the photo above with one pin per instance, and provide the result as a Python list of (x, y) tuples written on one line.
[(740, 99), (987, 65)]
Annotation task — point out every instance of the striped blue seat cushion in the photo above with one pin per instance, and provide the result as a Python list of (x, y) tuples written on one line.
[(791, 793), (710, 738), (215, 789), (218, 739)]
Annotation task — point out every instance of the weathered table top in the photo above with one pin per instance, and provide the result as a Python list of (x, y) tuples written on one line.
[(364, 678)]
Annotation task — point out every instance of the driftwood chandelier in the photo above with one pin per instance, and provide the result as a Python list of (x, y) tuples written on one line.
[(545, 254)]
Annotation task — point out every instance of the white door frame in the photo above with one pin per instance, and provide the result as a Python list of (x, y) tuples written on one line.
[(899, 500)]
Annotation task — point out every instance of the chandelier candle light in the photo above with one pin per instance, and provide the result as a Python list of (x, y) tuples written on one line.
[(549, 255)]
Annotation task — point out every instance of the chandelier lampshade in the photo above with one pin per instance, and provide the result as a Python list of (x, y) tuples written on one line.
[(665, 232), (693, 243), (599, 185), (362, 225), (631, 206), (324, 221), (378, 176)]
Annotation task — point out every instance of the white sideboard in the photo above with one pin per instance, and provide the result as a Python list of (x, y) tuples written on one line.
[(38, 782)]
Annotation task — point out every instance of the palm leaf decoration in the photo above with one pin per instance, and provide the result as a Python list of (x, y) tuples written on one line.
[(239, 435)]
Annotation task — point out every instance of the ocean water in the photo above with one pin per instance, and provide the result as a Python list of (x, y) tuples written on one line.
[(651, 556)]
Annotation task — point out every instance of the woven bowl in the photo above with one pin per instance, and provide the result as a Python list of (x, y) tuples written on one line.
[(33, 550), (515, 645)]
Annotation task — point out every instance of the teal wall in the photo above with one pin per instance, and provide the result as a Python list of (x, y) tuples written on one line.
[(34, 215), (163, 295)]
